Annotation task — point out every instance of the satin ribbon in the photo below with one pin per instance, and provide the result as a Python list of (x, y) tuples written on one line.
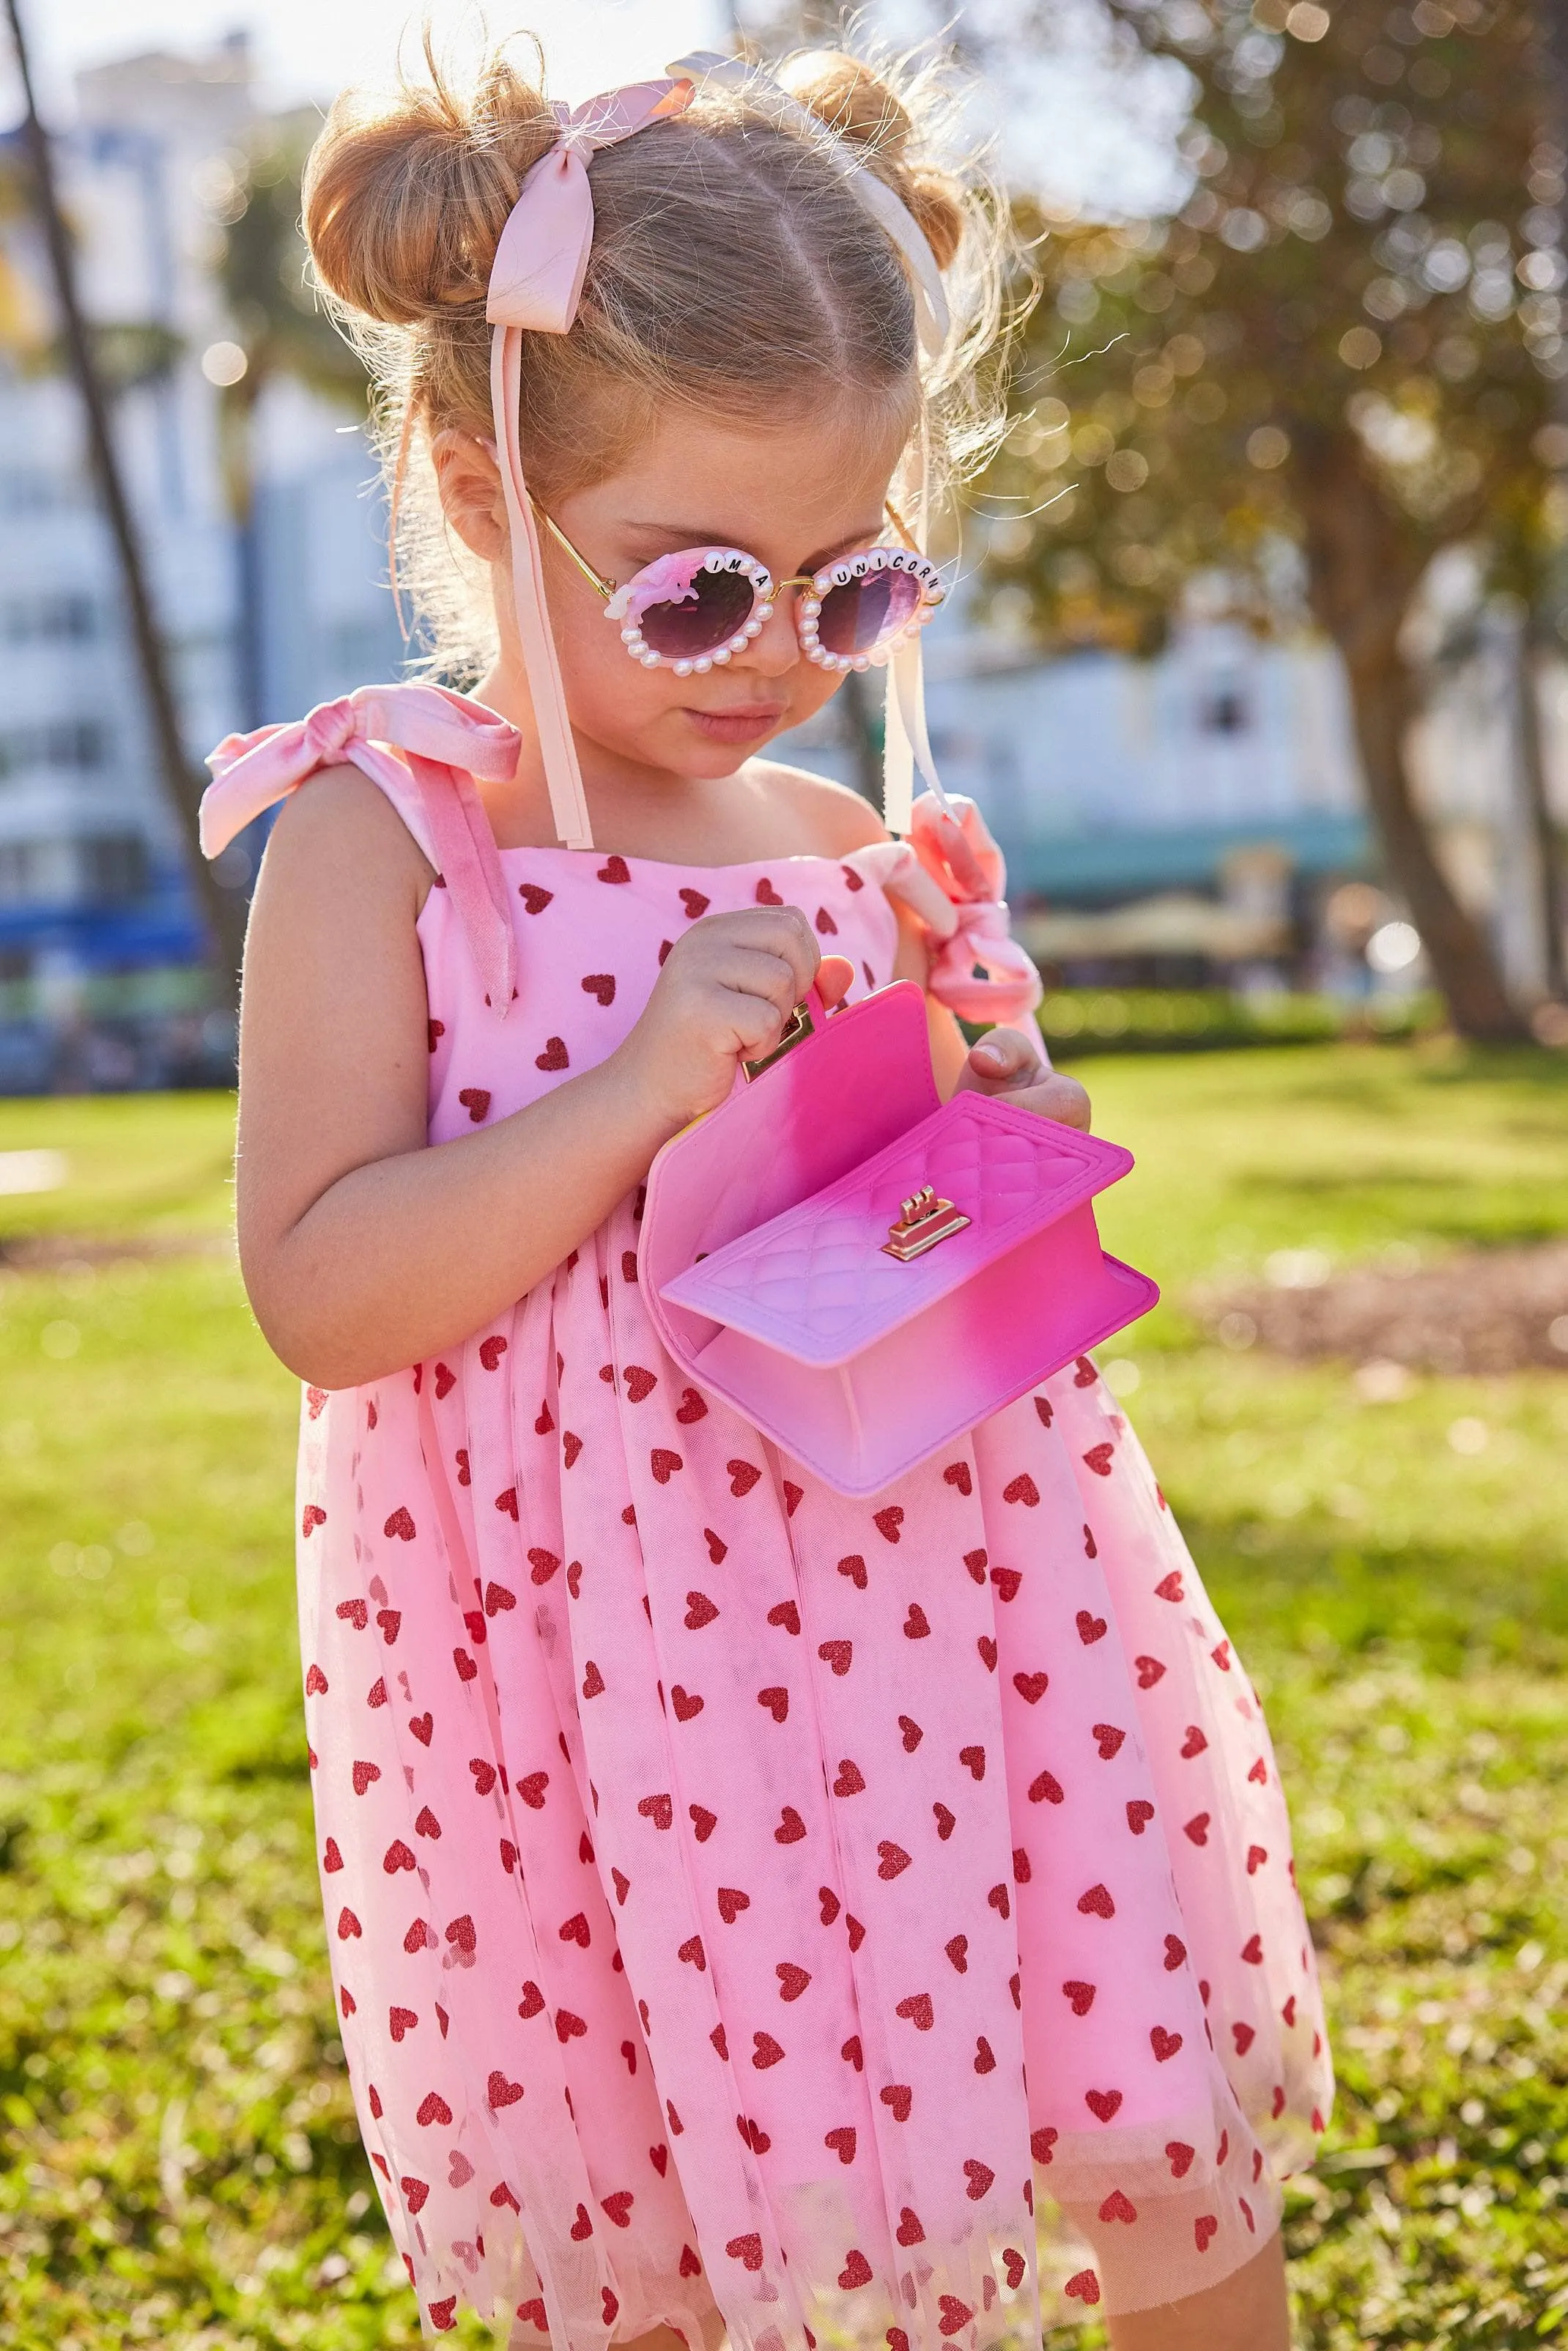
[(950, 874), (446, 740), (535, 283)]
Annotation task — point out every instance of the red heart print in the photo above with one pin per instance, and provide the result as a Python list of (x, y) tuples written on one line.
[(692, 1955), (582, 2227), (576, 1931), (916, 1627), (1080, 1996), (574, 1578), (460, 1933), (1140, 1813), (1193, 1743), (1288, 2012), (743, 1476), (917, 2010), (1046, 1789), (421, 1937), (312, 1517), (1083, 1373), (416, 2191), (852, 881), (731, 1903), (775, 1700), (851, 1780), (331, 1857), (1031, 1687), (838, 1654), (535, 900), (792, 1828), (687, 1706), (532, 1788), (1042, 1406), (501, 2091), (1182, 2156), (363, 1775), (909, 2231), (639, 1382), (663, 1464), (1163, 2044), (1102, 2102), (853, 1566), (445, 1381), (985, 2059), (1244, 2036), (856, 2271), (441, 2311), (532, 2314), (433, 2109), (887, 1522), (786, 1616), (1118, 2206), (1221, 1656), (766, 896), (766, 2051), (893, 1860), (953, 2315), (1223, 2149), (1021, 1488), (401, 2021), (1109, 1739), (1150, 1671), (483, 1775), (657, 1809), (506, 1503), (476, 1101), (826, 924), (746, 2251), (659, 2157), (1007, 1580), (718, 1549), (700, 1611), (1256, 1855), (354, 1612), (434, 1032), (400, 1527), (899, 2098), (618, 2208), (912, 1734), (377, 1693), (542, 1565), (974, 1760), (1015, 2266), (1259, 1771), (1090, 1628), (792, 1983), (842, 2141), (980, 2177), (1021, 1871), (600, 984), (1098, 1458), (704, 1822), (976, 1561), (853, 2054), (694, 903), (947, 1821), (1203, 2229), (491, 1350), (957, 1474), (1097, 1903), (1169, 1587), (569, 2027), (555, 1055), (1041, 2143), (315, 1682), (425, 1823), (1252, 1950), (1176, 1954), (691, 1408), (614, 868)]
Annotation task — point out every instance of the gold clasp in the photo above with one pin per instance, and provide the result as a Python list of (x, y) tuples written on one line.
[(922, 1221), (798, 1025)]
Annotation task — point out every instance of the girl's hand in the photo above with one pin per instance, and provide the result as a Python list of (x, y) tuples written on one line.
[(727, 987), (1004, 1062)]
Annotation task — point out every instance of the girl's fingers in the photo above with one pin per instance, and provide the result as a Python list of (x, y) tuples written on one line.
[(1003, 1057), (835, 977)]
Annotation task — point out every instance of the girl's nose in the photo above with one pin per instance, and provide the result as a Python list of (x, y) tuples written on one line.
[(776, 648)]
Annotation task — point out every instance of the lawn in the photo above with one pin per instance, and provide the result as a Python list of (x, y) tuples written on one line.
[(178, 2160)]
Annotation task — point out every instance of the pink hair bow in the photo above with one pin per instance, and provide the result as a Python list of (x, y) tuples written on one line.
[(950, 874), (535, 282), (445, 739)]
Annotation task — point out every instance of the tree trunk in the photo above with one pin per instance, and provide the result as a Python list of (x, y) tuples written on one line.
[(1362, 572), (225, 910), (1542, 824)]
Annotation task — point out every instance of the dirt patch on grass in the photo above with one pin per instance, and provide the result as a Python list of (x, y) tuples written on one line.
[(1480, 1311), (73, 1252)]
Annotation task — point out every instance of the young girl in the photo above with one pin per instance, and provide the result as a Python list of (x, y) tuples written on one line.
[(751, 1910)]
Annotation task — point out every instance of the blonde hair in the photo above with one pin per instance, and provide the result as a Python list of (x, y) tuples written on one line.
[(732, 270)]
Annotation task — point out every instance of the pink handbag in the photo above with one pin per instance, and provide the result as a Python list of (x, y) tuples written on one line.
[(864, 1271)]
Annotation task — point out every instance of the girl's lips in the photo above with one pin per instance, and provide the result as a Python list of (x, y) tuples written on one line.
[(737, 725)]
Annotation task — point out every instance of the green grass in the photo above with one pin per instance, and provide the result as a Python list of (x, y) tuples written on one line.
[(178, 2160)]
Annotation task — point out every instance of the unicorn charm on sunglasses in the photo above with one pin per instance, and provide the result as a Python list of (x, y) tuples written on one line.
[(691, 611)]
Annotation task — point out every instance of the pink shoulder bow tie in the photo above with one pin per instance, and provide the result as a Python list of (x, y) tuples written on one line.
[(446, 740), (950, 872)]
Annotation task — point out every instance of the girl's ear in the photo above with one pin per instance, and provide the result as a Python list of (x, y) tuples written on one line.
[(471, 497)]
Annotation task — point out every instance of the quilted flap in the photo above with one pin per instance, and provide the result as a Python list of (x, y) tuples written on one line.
[(816, 1281)]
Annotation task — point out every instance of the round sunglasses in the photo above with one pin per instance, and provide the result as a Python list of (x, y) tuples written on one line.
[(691, 611)]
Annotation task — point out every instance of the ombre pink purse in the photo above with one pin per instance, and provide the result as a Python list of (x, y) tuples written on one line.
[(864, 1271)]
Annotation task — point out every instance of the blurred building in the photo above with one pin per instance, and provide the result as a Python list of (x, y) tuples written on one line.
[(98, 935)]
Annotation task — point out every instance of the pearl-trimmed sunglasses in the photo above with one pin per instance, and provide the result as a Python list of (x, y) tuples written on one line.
[(691, 611)]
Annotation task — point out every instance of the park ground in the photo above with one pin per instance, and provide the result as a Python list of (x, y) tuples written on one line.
[(179, 2165)]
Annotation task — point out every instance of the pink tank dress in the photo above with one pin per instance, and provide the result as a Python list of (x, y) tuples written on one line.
[(859, 1923)]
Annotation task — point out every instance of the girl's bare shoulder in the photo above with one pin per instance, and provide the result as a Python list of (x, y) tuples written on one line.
[(827, 819), (338, 827)]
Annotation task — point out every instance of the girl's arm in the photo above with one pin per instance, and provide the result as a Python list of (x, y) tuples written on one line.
[(363, 1248)]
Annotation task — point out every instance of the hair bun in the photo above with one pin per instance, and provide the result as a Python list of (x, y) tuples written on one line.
[(405, 202), (850, 99)]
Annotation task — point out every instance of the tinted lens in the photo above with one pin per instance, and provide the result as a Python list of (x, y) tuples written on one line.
[(719, 603), (856, 619)]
